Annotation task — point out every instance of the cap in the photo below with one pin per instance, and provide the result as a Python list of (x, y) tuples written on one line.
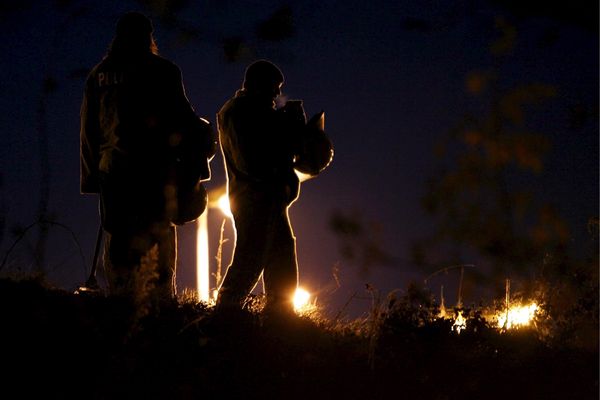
[(262, 72), (134, 23)]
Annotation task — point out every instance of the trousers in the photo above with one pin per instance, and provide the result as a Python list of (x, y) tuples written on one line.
[(140, 247), (265, 244), (143, 260)]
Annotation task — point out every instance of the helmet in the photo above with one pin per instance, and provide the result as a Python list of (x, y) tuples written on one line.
[(317, 148)]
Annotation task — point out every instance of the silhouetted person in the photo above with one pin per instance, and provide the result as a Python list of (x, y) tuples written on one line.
[(135, 120), (260, 145)]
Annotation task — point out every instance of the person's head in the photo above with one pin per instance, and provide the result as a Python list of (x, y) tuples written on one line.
[(262, 77), (133, 35)]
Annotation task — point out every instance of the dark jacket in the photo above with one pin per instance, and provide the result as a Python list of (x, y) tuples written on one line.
[(143, 148), (259, 144), (132, 107)]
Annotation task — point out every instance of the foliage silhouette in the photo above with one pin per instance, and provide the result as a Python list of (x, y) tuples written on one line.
[(481, 194)]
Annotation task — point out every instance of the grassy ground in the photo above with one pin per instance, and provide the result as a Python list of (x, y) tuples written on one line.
[(55, 344)]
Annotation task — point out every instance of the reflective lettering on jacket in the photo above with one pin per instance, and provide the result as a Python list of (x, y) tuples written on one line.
[(107, 78), (131, 106)]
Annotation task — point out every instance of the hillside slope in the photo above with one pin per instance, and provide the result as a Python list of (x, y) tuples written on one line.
[(57, 344)]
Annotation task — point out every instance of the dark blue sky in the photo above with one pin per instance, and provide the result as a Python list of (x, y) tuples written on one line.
[(389, 94)]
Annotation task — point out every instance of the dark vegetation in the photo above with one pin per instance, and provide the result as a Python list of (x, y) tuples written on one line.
[(57, 344)]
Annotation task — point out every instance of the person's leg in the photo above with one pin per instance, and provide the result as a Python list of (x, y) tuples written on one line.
[(165, 236), (281, 266), (117, 222), (133, 212), (118, 263), (250, 222)]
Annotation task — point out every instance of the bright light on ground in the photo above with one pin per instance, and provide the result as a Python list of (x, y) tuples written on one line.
[(518, 316), (301, 299), (460, 323)]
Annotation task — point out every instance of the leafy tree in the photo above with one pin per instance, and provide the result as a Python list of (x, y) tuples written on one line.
[(359, 241), (481, 195)]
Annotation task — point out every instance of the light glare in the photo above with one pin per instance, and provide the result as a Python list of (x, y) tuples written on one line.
[(202, 274), (302, 176), (517, 316), (223, 204), (301, 298), (460, 323)]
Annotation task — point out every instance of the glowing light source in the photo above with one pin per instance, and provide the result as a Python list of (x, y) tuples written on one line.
[(202, 251), (301, 298), (460, 323), (202, 275), (517, 316), (223, 204)]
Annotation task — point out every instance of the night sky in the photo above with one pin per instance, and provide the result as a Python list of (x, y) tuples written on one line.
[(391, 77)]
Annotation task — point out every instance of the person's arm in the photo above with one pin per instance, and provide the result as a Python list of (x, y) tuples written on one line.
[(180, 102), (184, 112)]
